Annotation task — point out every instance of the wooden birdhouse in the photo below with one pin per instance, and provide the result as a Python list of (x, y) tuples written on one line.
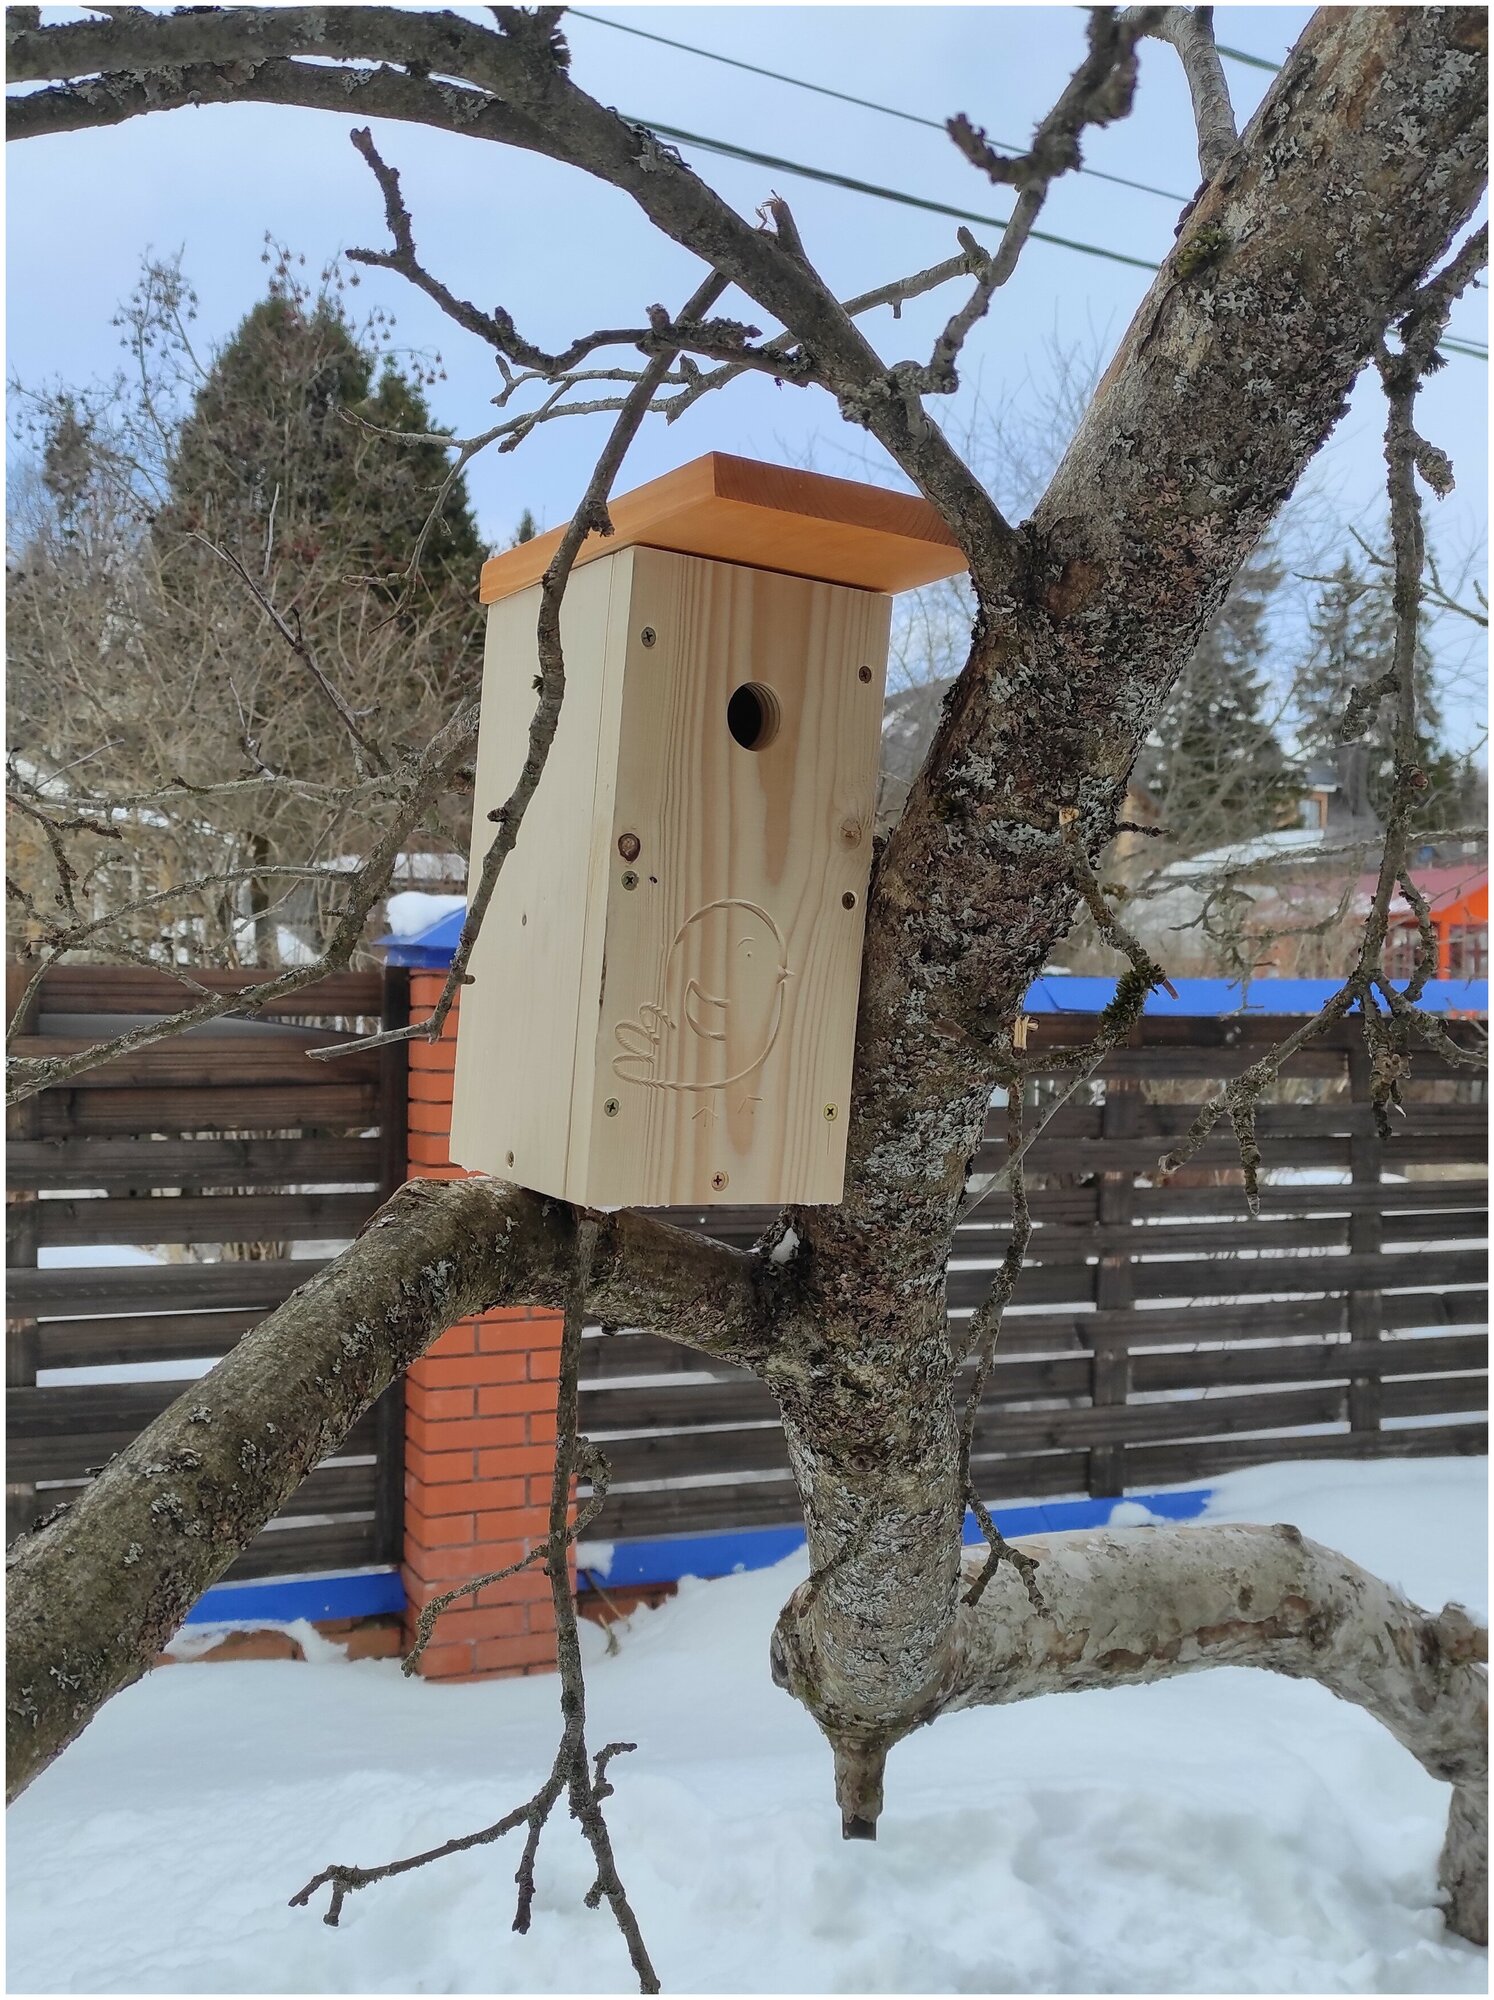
[(664, 989)]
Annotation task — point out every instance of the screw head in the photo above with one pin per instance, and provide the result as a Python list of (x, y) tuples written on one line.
[(719, 1181), (629, 846), (832, 1112), (648, 635), (612, 1107), (863, 674), (848, 900), (629, 879)]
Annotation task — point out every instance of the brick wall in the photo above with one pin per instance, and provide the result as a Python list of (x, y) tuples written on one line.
[(479, 1437)]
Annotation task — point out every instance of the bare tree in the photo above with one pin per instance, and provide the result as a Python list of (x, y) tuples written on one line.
[(1316, 245)]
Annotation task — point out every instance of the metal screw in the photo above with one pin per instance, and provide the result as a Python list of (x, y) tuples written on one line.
[(719, 1181), (629, 879), (628, 846), (612, 1107), (648, 635), (832, 1112), (863, 674), (848, 900)]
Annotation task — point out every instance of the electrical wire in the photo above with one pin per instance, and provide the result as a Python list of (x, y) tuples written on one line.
[(755, 159), (847, 97), (726, 149), (824, 175)]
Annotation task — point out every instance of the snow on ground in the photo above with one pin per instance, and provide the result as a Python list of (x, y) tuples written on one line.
[(1229, 1832)]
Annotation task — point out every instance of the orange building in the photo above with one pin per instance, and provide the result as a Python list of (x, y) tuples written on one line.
[(1458, 895)]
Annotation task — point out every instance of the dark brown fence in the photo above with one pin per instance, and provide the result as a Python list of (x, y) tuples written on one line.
[(1158, 1334), (224, 1151)]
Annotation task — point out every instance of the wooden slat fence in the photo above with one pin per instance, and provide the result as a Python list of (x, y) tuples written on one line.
[(221, 1151), (1158, 1334)]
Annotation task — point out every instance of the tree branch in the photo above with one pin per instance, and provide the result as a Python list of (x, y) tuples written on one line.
[(94, 1596), (1122, 1609)]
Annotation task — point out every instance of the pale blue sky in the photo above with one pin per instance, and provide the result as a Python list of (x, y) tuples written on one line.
[(565, 254)]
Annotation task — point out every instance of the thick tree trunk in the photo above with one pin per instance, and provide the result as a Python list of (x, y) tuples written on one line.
[(1366, 157), (1119, 1609), (92, 1597)]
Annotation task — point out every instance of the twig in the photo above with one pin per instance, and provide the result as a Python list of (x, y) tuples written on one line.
[(584, 1782), (590, 517), (1190, 30), (985, 1329)]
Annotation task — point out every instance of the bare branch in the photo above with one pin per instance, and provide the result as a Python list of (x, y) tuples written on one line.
[(1190, 30), (590, 517)]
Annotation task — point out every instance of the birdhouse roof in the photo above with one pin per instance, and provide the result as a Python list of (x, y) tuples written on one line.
[(771, 517)]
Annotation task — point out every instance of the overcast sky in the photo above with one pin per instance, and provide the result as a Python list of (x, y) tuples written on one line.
[(564, 253)]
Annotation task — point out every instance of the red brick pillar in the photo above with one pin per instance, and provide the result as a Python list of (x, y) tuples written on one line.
[(479, 1437)]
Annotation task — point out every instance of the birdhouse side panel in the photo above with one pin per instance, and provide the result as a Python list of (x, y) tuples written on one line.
[(536, 963), (739, 853)]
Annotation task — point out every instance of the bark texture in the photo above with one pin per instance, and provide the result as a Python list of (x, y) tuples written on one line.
[(1367, 155), (1120, 1609), (92, 1597)]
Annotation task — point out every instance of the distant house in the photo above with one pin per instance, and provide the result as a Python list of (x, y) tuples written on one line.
[(1458, 895)]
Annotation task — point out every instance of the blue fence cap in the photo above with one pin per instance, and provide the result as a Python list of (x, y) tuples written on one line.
[(1066, 993)]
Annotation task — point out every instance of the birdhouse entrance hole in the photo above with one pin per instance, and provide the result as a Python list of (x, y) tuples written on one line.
[(753, 715)]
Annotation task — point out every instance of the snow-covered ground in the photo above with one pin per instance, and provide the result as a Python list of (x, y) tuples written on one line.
[(1229, 1832)]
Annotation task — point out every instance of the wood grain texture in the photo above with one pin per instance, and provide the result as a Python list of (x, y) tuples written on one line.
[(518, 1024), (702, 984), (728, 1012), (771, 517)]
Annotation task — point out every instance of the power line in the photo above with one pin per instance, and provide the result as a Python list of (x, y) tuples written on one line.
[(824, 175), (1243, 56), (830, 179), (846, 97)]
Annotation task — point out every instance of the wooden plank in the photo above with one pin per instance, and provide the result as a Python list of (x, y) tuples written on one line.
[(189, 1164), (1273, 1121), (72, 1452), (129, 989), (691, 1454), (1222, 1416), (1403, 1309), (300, 1218), (727, 1020), (206, 1062), (1173, 1465), (288, 1551), (1096, 1156), (1334, 1360), (1434, 1395), (66, 1111), (1297, 1198), (1196, 1278), (770, 517), (518, 1024), (605, 1356), (157, 1288), (108, 1342)]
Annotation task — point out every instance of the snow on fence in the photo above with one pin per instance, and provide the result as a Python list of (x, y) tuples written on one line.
[(1158, 1334)]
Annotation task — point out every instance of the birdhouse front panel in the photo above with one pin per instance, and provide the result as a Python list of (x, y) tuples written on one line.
[(740, 850)]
